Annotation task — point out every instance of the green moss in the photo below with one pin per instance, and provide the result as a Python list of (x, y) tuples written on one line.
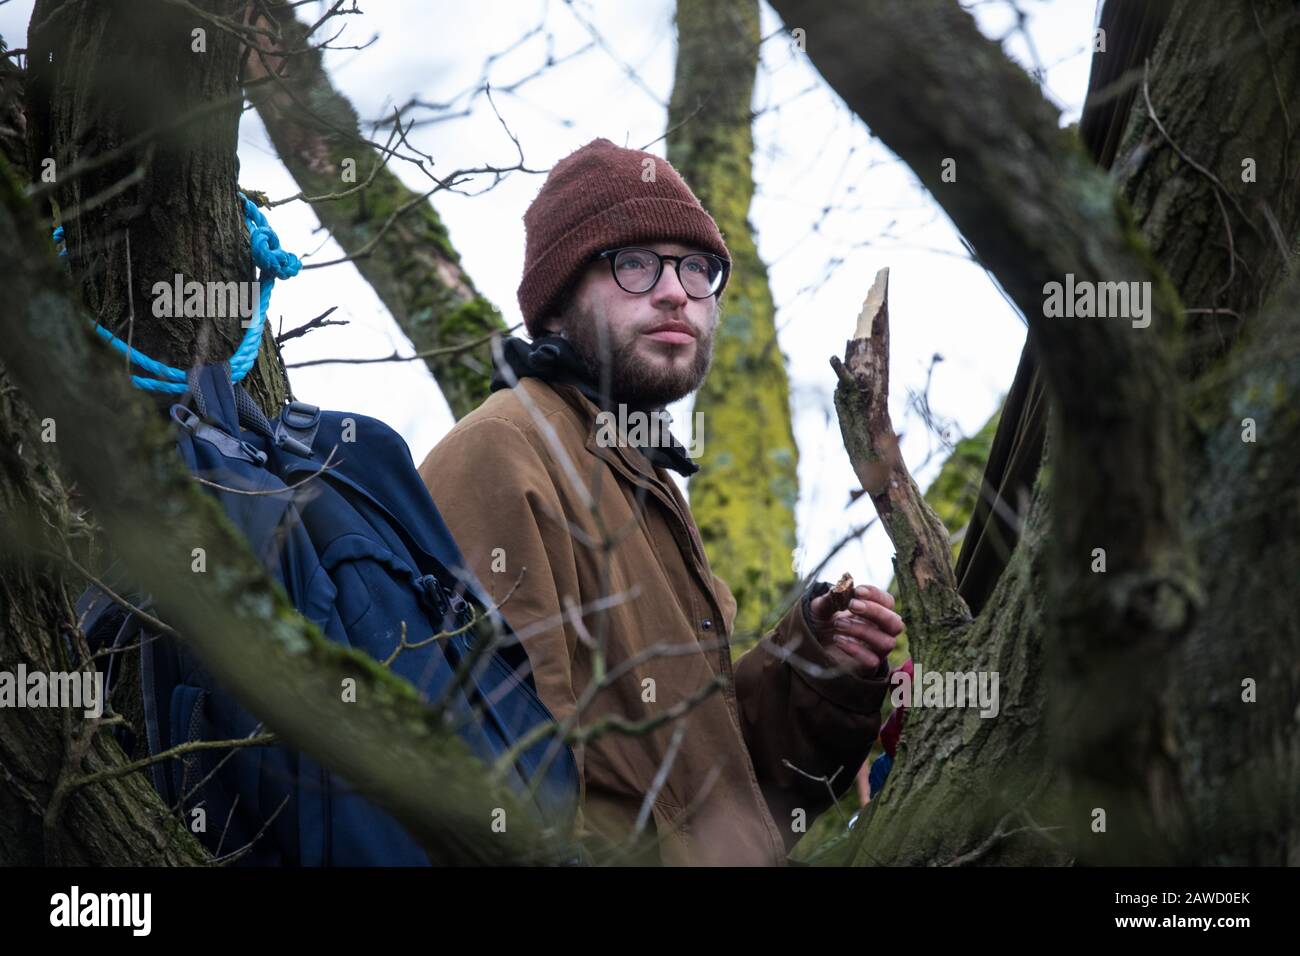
[(1165, 299), (745, 494), (955, 490), (952, 494)]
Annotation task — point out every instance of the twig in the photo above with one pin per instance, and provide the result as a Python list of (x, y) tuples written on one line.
[(325, 467), (660, 778), (829, 783), (177, 751), (243, 850), (145, 616), (395, 357), (184, 797), (403, 645), (319, 322), (1151, 112), (386, 152)]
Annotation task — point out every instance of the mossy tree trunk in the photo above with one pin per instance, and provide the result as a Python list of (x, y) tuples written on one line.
[(400, 244), (1162, 691), (102, 75), (123, 823), (744, 497)]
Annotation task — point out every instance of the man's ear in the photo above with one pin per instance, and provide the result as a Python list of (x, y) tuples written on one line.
[(554, 323)]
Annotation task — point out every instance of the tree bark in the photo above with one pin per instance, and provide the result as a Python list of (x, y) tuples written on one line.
[(125, 824), (744, 500), (927, 587), (395, 236), (387, 743), (117, 450), (105, 75), (43, 749), (1124, 688)]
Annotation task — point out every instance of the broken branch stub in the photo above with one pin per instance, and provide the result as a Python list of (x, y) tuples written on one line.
[(922, 562)]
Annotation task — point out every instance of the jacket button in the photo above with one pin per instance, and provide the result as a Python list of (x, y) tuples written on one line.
[(706, 624)]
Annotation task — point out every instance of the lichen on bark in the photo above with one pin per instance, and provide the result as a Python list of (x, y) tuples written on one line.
[(744, 497)]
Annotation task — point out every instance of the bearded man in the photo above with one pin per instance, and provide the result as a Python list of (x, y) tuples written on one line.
[(592, 551)]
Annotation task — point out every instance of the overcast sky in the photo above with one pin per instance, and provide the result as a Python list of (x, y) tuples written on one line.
[(833, 206)]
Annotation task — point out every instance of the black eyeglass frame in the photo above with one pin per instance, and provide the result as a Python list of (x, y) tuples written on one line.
[(611, 254)]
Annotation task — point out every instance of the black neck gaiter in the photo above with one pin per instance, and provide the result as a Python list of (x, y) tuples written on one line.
[(553, 359)]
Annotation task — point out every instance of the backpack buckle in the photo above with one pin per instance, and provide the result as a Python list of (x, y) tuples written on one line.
[(185, 417), (229, 445), (296, 428), (299, 415)]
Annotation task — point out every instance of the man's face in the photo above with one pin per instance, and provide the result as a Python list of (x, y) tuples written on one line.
[(656, 346)]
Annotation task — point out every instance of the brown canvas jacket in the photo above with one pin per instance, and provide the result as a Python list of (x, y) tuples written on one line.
[(530, 495)]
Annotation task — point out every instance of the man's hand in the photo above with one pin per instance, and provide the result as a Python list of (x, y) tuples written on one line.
[(857, 639)]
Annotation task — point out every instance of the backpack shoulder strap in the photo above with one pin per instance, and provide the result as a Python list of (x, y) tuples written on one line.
[(214, 395)]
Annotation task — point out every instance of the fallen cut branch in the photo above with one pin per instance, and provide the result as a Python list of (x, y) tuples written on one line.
[(927, 585)]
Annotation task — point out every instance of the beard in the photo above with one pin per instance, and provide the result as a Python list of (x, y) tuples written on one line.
[(632, 380)]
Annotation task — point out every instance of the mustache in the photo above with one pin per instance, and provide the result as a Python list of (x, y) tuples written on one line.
[(684, 324)]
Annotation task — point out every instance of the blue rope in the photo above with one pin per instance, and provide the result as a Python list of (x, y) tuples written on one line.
[(272, 263)]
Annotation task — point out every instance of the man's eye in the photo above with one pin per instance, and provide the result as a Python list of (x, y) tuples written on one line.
[(633, 263)]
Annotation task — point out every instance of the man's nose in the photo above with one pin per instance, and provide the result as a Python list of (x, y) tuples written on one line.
[(668, 291)]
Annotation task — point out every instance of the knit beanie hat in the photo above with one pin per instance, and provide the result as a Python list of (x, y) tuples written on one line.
[(598, 198)]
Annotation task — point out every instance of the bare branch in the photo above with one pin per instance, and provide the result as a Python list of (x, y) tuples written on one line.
[(923, 562)]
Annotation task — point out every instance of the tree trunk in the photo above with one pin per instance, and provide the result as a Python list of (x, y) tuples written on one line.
[(744, 500), (397, 241), (104, 75), (953, 495), (112, 443), (1162, 691), (121, 822)]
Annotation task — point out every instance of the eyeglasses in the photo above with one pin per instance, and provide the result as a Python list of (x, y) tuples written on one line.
[(637, 271)]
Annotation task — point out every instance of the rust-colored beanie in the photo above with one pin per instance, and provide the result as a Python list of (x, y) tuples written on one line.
[(598, 198)]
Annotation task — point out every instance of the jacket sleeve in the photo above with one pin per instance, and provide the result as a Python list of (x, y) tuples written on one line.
[(496, 496), (795, 711)]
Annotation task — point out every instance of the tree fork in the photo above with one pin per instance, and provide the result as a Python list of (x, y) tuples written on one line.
[(1036, 208)]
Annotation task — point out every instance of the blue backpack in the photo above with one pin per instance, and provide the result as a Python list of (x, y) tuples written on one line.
[(360, 548)]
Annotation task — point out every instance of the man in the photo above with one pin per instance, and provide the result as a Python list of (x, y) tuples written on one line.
[(576, 527)]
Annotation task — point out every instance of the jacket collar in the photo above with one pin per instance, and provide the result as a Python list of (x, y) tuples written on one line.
[(553, 359), (632, 466)]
